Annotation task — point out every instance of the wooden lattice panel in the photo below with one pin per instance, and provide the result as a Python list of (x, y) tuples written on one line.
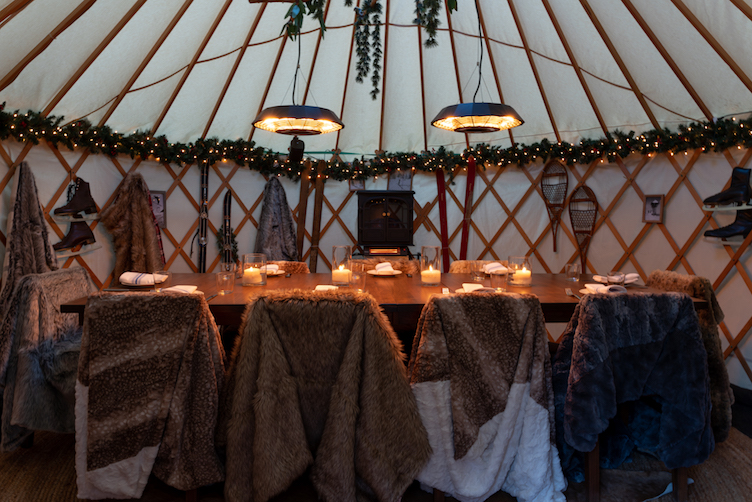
[(509, 217)]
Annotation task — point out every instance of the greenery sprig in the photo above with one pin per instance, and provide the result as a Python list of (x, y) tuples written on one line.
[(34, 127)]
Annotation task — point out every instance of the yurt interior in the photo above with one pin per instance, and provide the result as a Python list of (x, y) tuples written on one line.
[(584, 164)]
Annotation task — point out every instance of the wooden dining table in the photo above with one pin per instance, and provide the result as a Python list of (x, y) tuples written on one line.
[(401, 297)]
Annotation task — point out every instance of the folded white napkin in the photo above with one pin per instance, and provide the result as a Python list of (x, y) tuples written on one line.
[(600, 278), (601, 288), (384, 268), (469, 287), (270, 268), (324, 287), (137, 279), (495, 268), (182, 288), (631, 277)]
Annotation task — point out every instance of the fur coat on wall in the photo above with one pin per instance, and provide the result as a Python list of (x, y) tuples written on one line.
[(277, 236), (621, 348), (130, 222), (480, 370), (317, 380), (721, 394), (147, 394), (38, 350), (28, 248)]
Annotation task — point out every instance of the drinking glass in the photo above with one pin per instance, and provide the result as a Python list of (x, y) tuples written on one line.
[(573, 271), (254, 269), (498, 281), (430, 265), (161, 280), (616, 277), (357, 276), (520, 271), (476, 271), (225, 282), (341, 258)]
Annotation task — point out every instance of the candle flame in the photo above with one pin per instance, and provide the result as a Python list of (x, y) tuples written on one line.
[(430, 268), (341, 267), (524, 269)]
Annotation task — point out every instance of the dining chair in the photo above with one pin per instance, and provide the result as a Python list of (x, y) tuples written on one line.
[(634, 363), (317, 381), (466, 266), (38, 355), (147, 394), (721, 395), (480, 371)]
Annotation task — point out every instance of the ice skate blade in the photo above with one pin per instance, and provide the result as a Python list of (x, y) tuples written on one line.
[(70, 217), (86, 248), (727, 207), (736, 240)]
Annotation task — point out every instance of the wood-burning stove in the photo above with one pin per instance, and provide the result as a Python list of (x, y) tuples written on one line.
[(385, 221)]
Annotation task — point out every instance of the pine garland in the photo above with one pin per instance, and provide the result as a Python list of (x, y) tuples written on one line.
[(34, 127)]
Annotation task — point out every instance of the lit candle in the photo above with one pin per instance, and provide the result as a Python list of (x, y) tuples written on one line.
[(251, 276), (430, 276), (341, 275), (522, 276)]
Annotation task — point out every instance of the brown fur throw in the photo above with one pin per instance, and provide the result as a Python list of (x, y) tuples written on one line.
[(721, 394), (131, 223), (30, 401), (406, 266), (292, 267), (481, 373), (318, 379), (147, 394), (28, 248), (465, 266)]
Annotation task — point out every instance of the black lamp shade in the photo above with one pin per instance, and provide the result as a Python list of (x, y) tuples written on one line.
[(477, 118), (299, 120)]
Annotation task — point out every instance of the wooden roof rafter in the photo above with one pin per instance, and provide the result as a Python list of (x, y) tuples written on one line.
[(45, 42), (456, 65), (191, 65), (13, 8), (383, 77), (746, 9), (422, 89), (347, 77), (315, 54)]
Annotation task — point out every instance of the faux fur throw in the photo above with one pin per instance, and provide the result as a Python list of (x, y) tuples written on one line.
[(131, 223), (721, 394), (406, 266), (147, 394), (292, 267), (465, 266), (481, 374), (619, 348), (30, 400), (28, 247), (318, 379), (276, 237)]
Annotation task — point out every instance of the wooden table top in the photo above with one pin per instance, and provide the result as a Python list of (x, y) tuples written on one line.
[(397, 295)]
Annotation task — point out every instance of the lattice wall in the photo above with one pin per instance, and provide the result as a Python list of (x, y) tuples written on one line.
[(509, 218)]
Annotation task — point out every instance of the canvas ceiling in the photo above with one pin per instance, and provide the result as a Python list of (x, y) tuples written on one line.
[(199, 68)]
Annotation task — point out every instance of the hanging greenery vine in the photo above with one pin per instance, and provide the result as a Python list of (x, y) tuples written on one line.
[(34, 127), (368, 43)]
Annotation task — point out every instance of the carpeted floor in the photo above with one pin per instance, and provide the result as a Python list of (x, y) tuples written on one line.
[(46, 472)]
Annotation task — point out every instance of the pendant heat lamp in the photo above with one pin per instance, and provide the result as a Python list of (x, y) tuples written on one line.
[(477, 117)]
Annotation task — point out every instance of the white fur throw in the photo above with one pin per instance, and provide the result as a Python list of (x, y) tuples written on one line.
[(481, 374), (147, 394)]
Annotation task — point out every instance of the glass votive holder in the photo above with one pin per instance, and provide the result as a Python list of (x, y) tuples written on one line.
[(225, 282), (341, 256), (476, 271), (254, 269), (572, 271), (520, 271), (162, 280), (358, 276), (430, 265), (498, 281)]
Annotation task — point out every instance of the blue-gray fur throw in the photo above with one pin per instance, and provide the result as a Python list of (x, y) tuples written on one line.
[(276, 237), (620, 348)]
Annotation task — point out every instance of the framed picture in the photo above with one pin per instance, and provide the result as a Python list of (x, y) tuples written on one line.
[(400, 180), (652, 211), (159, 206), (357, 185)]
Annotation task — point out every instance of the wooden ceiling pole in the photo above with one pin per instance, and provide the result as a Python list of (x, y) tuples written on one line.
[(713, 43), (285, 38), (315, 54), (46, 41), (615, 54), (93, 56), (235, 66), (13, 8), (347, 78), (456, 66), (534, 68), (191, 65), (575, 66), (422, 90), (746, 9), (145, 62), (669, 60), (383, 77)]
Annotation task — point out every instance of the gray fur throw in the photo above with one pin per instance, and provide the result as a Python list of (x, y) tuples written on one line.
[(147, 394), (28, 246), (291, 267), (406, 266), (621, 348), (276, 237), (30, 400), (317, 380), (131, 223), (721, 394), (480, 371)]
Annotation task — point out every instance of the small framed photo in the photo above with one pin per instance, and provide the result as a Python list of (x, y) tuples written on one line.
[(357, 185), (652, 211), (159, 207), (400, 180)]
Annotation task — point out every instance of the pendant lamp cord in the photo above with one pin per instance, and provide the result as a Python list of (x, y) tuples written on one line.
[(297, 67), (480, 62)]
